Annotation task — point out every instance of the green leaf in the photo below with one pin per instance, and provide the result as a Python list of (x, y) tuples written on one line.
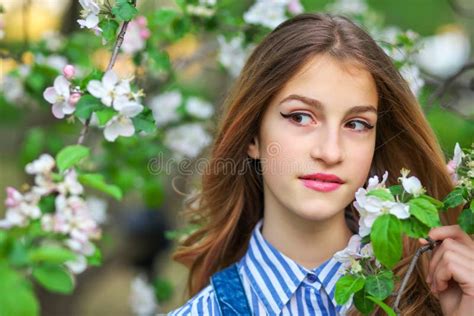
[(466, 220), (386, 237), (54, 278), (70, 156), (163, 289), (380, 285), (18, 255), (96, 258), (51, 254), (144, 122), (153, 193), (454, 198), (105, 115), (16, 294), (362, 303), (414, 228), (438, 204), (382, 194), (346, 286), (109, 29), (164, 16), (86, 105), (396, 189), (97, 181), (384, 306), (124, 11), (47, 204), (425, 211), (161, 60)]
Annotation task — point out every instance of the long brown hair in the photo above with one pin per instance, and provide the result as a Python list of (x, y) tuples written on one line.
[(230, 204)]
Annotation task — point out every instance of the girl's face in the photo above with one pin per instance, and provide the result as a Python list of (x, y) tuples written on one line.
[(322, 121)]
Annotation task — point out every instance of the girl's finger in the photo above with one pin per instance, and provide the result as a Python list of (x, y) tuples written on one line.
[(451, 231), (447, 248), (455, 269)]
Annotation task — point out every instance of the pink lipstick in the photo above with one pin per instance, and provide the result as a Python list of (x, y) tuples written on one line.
[(321, 182)]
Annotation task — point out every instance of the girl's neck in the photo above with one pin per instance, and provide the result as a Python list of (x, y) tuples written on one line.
[(308, 243)]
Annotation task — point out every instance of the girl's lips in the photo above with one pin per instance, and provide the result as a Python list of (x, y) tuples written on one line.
[(320, 185)]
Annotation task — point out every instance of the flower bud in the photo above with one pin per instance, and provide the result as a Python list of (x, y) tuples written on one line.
[(144, 33), (141, 21), (69, 71), (74, 98)]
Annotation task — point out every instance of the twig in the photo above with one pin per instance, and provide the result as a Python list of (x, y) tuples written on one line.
[(113, 58), (445, 85), (430, 246)]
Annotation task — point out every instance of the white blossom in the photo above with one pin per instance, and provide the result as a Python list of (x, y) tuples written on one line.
[(142, 297), (269, 13), (12, 89), (53, 40), (348, 7), (444, 54), (109, 89), (164, 107), (43, 165), (20, 209), (122, 124), (411, 73), (412, 184), (97, 208), (78, 265), (199, 108), (232, 54), (89, 14), (70, 184), (187, 139), (57, 62), (58, 96), (370, 207)]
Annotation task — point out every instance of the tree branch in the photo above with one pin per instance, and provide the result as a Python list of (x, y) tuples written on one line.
[(113, 58)]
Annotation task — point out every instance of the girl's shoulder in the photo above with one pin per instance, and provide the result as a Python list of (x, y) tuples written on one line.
[(203, 303)]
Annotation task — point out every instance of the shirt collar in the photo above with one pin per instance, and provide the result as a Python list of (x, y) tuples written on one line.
[(276, 277)]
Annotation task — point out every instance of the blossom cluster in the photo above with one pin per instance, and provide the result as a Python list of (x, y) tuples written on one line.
[(72, 217), (187, 139), (90, 15), (270, 13), (62, 95), (117, 94), (135, 38)]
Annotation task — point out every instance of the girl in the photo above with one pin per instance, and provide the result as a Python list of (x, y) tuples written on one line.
[(317, 110)]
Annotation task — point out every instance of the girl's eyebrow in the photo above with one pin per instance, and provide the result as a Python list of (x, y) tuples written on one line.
[(320, 107)]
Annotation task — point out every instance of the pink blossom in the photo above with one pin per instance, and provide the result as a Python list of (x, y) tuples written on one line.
[(135, 38), (75, 97), (295, 7), (14, 197), (69, 71)]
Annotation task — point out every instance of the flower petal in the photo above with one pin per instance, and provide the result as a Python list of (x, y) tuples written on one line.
[(61, 85), (109, 80), (96, 89), (58, 110), (50, 95)]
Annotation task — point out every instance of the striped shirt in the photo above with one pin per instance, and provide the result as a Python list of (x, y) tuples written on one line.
[(276, 285)]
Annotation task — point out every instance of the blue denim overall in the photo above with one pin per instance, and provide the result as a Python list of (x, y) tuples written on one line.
[(230, 292)]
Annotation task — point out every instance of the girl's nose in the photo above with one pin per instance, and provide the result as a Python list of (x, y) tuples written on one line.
[(328, 147)]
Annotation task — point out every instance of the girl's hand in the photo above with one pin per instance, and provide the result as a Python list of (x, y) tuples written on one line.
[(451, 270)]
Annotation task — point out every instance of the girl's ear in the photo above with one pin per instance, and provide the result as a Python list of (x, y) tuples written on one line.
[(253, 149)]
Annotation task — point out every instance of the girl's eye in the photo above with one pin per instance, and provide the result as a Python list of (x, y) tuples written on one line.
[(298, 117), (360, 126)]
